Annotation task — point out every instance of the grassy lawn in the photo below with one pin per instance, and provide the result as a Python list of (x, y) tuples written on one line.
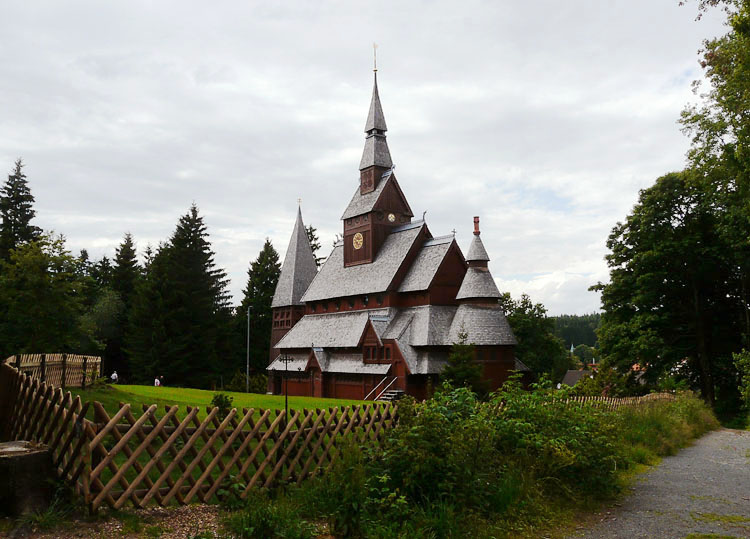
[(111, 396)]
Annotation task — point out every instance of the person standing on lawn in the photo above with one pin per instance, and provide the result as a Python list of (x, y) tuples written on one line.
[(114, 377), (157, 383)]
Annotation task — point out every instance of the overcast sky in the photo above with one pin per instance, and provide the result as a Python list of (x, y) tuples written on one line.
[(543, 117)]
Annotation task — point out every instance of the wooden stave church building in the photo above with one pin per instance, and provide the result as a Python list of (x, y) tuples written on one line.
[(385, 307)]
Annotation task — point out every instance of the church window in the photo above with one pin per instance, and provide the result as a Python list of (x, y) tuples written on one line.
[(379, 299), (351, 303), (387, 352), (365, 300)]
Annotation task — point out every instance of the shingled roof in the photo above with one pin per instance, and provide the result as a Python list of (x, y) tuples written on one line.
[(376, 151), (477, 252), (478, 283), (424, 268), (298, 270), (375, 117), (335, 281), (428, 325), (338, 330), (485, 325)]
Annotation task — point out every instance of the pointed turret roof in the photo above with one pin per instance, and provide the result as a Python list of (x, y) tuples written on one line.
[(477, 252), (376, 151), (298, 270), (478, 282), (375, 119)]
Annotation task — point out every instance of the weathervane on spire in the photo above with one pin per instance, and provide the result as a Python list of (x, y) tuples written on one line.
[(375, 57)]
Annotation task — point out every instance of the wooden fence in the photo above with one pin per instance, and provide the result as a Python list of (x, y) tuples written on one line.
[(59, 370), (178, 458), (147, 456)]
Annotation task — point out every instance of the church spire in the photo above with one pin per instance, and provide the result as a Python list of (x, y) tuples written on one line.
[(298, 270), (376, 152)]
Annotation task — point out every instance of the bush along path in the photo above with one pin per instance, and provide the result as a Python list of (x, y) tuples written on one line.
[(704, 491)]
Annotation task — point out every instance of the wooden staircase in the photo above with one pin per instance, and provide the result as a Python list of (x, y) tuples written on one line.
[(391, 395)]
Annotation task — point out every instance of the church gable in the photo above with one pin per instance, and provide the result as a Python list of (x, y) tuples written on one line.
[(392, 199)]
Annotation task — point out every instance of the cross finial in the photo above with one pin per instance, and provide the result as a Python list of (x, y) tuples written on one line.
[(375, 57), (299, 202), (454, 231)]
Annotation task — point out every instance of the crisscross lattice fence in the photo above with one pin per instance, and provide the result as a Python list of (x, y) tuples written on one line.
[(180, 456), (174, 456)]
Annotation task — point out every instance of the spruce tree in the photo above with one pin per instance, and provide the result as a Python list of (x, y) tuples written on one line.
[(125, 276), (126, 271), (145, 342), (312, 237), (262, 277), (16, 210), (462, 370), (181, 320)]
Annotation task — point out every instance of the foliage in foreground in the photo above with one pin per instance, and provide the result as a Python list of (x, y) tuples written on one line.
[(458, 467)]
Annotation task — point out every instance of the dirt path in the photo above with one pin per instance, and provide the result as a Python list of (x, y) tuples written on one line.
[(704, 489)]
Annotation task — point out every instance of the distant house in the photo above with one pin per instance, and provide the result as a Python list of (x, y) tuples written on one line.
[(390, 299), (572, 377)]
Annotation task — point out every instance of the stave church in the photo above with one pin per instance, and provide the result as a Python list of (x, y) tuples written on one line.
[(377, 320)]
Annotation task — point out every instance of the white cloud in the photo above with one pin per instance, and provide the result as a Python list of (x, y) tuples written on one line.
[(545, 118)]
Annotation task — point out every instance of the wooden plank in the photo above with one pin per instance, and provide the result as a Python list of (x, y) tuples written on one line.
[(132, 459), (261, 443), (227, 444), (168, 445), (202, 451)]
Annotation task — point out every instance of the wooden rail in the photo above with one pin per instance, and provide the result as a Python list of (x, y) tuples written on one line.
[(118, 459), (58, 370)]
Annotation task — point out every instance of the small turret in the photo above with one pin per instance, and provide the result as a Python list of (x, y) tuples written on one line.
[(478, 285)]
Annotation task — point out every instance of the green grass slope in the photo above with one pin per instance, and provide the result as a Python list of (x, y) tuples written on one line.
[(137, 396)]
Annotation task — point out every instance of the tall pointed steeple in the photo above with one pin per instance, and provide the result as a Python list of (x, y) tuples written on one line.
[(376, 158), (298, 270)]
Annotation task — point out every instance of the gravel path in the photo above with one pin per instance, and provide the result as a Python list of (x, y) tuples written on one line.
[(704, 489)]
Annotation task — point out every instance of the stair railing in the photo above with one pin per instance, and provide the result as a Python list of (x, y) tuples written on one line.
[(376, 387), (386, 387)]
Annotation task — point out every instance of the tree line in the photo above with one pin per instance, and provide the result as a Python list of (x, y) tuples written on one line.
[(678, 299), (168, 315)]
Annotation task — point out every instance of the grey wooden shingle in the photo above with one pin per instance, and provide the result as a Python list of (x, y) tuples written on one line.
[(477, 252), (478, 283), (297, 362), (485, 325), (375, 116), (324, 330), (298, 270), (425, 266), (336, 281), (361, 204)]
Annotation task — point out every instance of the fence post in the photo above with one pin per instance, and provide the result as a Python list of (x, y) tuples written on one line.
[(44, 367), (64, 369), (83, 378)]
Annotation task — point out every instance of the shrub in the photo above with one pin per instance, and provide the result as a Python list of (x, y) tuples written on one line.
[(742, 363), (223, 402), (265, 518), (258, 383)]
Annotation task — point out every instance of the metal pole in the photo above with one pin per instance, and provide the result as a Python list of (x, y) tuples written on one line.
[(247, 363), (286, 388)]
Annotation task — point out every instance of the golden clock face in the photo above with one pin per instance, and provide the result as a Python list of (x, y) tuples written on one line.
[(357, 241), (391, 217)]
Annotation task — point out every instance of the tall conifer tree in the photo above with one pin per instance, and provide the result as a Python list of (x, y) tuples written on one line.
[(262, 277), (125, 276), (180, 325), (16, 211)]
